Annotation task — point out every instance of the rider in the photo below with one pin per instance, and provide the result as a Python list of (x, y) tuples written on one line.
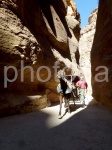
[(66, 86)]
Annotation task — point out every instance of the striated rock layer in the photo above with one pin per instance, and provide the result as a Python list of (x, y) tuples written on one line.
[(85, 45), (101, 55), (36, 33)]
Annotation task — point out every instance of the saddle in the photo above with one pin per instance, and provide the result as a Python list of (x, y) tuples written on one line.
[(67, 91)]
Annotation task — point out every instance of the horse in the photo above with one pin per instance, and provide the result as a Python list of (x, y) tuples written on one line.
[(66, 89)]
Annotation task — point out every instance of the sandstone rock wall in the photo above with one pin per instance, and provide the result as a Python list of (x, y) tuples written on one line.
[(101, 54), (38, 32), (85, 45), (35, 33)]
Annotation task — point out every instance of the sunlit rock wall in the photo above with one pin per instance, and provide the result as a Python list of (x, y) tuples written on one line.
[(40, 33), (35, 33), (85, 45)]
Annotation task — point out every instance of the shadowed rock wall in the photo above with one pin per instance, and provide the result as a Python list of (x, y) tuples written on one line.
[(101, 54)]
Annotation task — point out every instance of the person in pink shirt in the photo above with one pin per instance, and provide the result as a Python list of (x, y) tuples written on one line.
[(82, 86)]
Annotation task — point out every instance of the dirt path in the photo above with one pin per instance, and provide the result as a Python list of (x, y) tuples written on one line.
[(88, 128)]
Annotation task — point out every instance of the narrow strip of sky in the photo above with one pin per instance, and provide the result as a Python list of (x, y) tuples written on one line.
[(85, 7)]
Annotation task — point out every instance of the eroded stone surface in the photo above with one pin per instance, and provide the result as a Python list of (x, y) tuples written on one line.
[(101, 54), (37, 33), (85, 45)]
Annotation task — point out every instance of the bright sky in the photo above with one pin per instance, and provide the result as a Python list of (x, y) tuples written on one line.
[(85, 7)]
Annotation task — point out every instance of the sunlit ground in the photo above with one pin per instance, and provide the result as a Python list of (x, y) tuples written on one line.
[(54, 119)]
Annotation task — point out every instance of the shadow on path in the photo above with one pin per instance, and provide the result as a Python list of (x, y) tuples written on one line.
[(87, 128)]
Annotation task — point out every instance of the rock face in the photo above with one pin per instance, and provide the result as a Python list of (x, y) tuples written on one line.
[(101, 55), (85, 45), (35, 34), (39, 33)]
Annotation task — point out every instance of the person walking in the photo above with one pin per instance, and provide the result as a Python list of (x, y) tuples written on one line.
[(82, 87)]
